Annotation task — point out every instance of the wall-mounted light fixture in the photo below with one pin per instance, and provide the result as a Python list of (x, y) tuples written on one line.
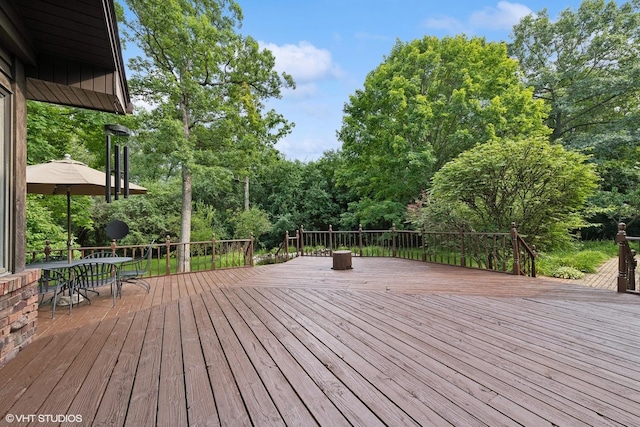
[(116, 130)]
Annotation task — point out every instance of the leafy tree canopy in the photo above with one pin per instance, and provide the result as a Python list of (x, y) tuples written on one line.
[(540, 186), (201, 76), (430, 100), (586, 66)]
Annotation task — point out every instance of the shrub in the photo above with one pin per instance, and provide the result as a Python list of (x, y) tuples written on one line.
[(566, 272)]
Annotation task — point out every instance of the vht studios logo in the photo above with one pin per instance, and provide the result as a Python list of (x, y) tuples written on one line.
[(43, 418)]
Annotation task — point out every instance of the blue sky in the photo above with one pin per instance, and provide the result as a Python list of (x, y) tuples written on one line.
[(329, 46)]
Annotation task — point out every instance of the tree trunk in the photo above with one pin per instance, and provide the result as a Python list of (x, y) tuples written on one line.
[(184, 250), (184, 253)]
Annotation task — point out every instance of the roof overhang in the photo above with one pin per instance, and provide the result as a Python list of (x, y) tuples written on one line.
[(72, 53)]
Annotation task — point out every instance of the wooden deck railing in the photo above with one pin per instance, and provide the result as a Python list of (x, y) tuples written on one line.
[(506, 252), (627, 262), (205, 255)]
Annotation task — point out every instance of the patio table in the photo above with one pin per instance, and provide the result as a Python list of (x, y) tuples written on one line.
[(66, 269), (65, 264)]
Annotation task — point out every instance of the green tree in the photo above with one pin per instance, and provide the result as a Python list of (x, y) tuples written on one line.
[(41, 226), (200, 73), (585, 65), (52, 132), (430, 100), (253, 222), (542, 187)]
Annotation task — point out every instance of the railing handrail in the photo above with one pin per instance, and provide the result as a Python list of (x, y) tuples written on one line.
[(204, 255), (413, 244)]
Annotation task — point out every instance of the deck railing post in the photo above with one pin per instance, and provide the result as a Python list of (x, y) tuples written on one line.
[(252, 240), (213, 251), (297, 243), (301, 240), (286, 245), (424, 246), (330, 240), (463, 256), (516, 251), (621, 239), (360, 238), (631, 271), (47, 251), (167, 268), (393, 240)]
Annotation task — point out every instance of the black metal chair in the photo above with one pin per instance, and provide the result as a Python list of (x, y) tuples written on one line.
[(135, 271), (89, 276), (53, 281)]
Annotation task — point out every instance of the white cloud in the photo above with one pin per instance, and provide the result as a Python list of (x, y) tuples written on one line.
[(302, 91), (306, 148), (361, 35), (447, 23), (303, 61), (502, 17)]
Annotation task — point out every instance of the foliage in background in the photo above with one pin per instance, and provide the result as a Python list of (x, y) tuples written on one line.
[(295, 194), (41, 226), (576, 260), (254, 222), (430, 100), (540, 186), (435, 214), (585, 65), (407, 122), (203, 79)]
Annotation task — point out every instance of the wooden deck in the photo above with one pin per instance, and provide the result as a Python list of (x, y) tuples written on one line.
[(391, 342)]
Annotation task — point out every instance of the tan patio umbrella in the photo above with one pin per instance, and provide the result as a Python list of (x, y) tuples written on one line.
[(70, 177)]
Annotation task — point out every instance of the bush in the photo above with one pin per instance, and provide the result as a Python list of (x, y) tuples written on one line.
[(538, 185), (565, 272), (583, 257)]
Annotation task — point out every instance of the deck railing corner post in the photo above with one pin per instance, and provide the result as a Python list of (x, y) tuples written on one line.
[(360, 238), (621, 239)]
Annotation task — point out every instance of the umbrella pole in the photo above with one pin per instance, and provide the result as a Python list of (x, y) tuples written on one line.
[(69, 256)]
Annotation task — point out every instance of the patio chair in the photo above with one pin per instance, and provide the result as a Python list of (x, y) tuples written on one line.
[(134, 271), (53, 281), (95, 274)]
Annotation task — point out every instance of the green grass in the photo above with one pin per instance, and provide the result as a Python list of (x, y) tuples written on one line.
[(582, 258)]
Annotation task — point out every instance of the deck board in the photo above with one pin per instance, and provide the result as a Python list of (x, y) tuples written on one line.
[(352, 391), (257, 399), (391, 342), (143, 402), (115, 401)]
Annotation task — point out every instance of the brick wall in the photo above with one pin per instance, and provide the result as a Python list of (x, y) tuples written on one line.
[(18, 312)]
